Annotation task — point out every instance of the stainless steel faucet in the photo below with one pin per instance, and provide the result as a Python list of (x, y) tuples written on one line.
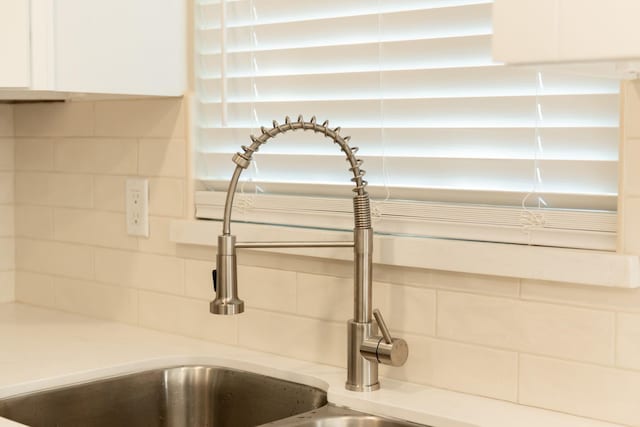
[(366, 349)]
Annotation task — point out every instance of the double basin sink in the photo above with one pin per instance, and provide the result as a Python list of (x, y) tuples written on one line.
[(185, 396)]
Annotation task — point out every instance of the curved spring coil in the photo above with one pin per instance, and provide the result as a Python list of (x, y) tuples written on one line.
[(361, 208), (244, 159)]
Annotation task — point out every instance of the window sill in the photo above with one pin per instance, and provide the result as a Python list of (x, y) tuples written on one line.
[(585, 267)]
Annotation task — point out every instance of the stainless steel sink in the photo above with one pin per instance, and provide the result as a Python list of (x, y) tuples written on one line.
[(169, 397), (333, 416)]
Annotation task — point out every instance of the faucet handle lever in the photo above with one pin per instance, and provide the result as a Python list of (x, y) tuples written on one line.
[(383, 326)]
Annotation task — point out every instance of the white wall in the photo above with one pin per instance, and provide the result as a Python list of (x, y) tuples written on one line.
[(6, 204)]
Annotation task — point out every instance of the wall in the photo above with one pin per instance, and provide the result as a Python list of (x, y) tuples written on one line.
[(6, 204), (565, 347)]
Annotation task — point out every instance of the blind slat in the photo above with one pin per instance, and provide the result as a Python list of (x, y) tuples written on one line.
[(506, 143), (413, 25), (555, 111), (240, 12), (437, 53), (564, 176), (439, 83)]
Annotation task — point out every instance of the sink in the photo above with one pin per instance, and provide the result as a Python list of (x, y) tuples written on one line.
[(168, 397), (333, 416)]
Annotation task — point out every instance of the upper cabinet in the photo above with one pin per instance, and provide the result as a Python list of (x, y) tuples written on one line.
[(62, 48), (14, 44), (551, 31)]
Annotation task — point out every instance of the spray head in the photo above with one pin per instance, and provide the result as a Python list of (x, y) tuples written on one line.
[(225, 279)]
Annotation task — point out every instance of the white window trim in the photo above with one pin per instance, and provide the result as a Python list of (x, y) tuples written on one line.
[(597, 268)]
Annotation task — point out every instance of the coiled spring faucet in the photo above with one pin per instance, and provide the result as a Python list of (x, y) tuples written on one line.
[(366, 349)]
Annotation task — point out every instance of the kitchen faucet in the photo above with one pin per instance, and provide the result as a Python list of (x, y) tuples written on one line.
[(366, 349)]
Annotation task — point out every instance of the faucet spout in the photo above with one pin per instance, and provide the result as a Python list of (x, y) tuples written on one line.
[(365, 348)]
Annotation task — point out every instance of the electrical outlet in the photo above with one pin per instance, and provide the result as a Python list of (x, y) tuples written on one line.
[(137, 199)]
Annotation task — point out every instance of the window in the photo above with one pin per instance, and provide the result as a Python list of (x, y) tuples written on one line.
[(454, 145)]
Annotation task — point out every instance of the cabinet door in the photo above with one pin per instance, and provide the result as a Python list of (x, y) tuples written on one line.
[(121, 46), (15, 51), (540, 31)]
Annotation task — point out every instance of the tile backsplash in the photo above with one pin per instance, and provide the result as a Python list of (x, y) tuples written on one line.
[(559, 346)]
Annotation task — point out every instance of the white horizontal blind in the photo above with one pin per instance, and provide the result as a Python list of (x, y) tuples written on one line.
[(454, 145)]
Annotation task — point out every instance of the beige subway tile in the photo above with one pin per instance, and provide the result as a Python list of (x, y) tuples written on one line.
[(110, 230), (628, 341), (632, 109), (406, 308), (158, 241), (34, 154), (71, 190), (547, 329), (461, 367), (588, 296), (186, 316), (93, 228), (64, 190), (198, 280), (581, 389), (74, 225), (293, 336), (36, 289), (631, 229), (62, 259), (7, 157), (6, 120), (6, 188), (34, 221), (7, 223), (156, 118), (298, 263), (54, 119), (166, 197), (109, 193), (163, 157), (7, 254), (267, 289), (477, 284), (7, 286), (99, 156), (401, 275), (325, 297), (32, 188), (144, 271), (97, 300), (203, 253)]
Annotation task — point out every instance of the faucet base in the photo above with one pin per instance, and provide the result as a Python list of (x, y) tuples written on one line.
[(362, 373), (353, 387)]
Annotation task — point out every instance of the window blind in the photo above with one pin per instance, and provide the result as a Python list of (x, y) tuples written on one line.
[(454, 145)]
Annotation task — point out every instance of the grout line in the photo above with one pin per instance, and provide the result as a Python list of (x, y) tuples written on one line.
[(437, 312), (518, 374), (616, 326)]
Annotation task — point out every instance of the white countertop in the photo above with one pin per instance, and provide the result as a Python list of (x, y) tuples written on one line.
[(43, 348)]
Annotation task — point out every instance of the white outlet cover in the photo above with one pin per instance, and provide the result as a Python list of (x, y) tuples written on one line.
[(137, 202)]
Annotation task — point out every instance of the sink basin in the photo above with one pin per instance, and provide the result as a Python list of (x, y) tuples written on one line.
[(170, 397), (333, 416)]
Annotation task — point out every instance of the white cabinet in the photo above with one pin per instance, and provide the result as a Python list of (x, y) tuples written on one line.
[(545, 31), (61, 48), (14, 44)]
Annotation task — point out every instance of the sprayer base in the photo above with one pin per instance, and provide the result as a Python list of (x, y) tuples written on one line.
[(234, 307)]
